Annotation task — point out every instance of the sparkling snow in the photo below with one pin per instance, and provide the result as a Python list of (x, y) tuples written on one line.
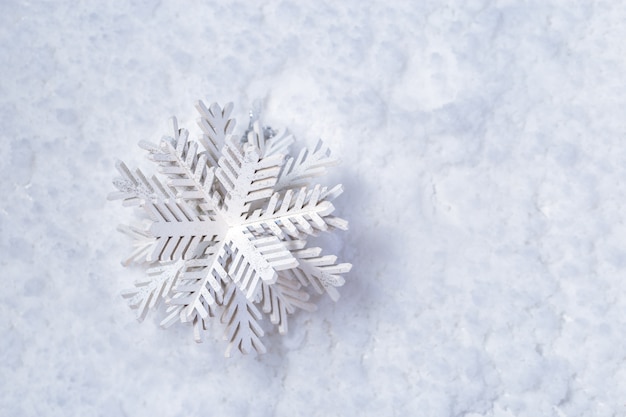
[(484, 160)]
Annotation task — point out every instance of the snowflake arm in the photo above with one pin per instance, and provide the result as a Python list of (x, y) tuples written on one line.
[(133, 189), (297, 213), (283, 298), (150, 289), (322, 272), (216, 125), (245, 177), (142, 243), (185, 166), (257, 259), (241, 316), (279, 143), (200, 287), (308, 164), (177, 230)]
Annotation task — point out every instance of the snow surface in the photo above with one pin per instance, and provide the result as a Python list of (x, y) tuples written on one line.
[(484, 161)]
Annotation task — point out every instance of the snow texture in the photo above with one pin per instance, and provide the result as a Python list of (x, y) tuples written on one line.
[(484, 164)]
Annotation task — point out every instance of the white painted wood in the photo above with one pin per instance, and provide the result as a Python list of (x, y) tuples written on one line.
[(225, 230)]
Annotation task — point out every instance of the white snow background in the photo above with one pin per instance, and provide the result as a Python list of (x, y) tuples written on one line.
[(483, 148)]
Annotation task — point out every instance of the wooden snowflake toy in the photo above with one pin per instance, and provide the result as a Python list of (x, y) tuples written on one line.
[(224, 232)]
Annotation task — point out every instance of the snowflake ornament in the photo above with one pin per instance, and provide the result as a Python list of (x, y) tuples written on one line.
[(224, 233)]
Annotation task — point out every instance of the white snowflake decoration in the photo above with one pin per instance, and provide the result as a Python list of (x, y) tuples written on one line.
[(226, 231)]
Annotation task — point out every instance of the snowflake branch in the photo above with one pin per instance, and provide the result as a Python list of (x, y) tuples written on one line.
[(279, 144), (256, 259), (242, 329), (245, 177), (307, 164), (142, 241), (177, 229), (216, 125), (322, 272), (187, 169), (133, 189), (297, 213), (282, 298), (200, 285), (149, 290)]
